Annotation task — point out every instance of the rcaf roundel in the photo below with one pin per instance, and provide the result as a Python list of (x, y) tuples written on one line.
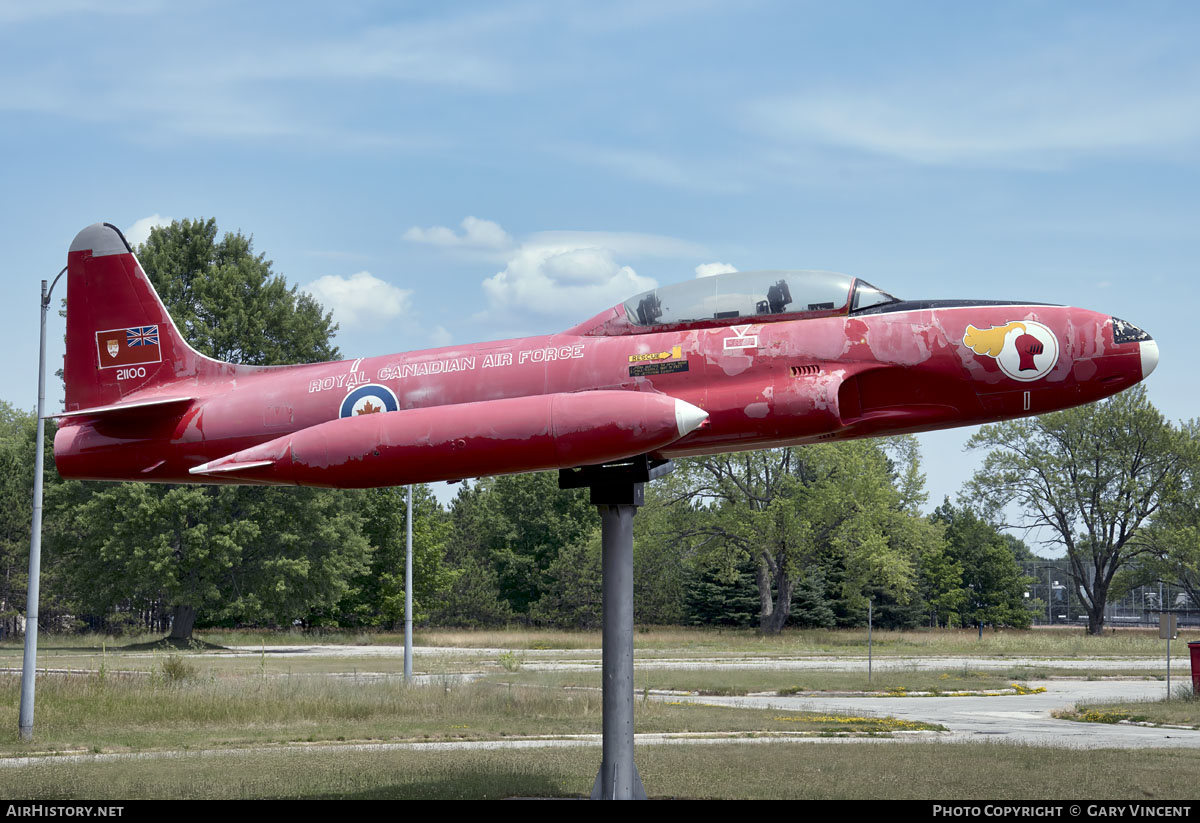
[(369, 399), (1024, 350)]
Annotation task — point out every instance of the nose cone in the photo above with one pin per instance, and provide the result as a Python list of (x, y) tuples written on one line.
[(1149, 350), (1126, 332)]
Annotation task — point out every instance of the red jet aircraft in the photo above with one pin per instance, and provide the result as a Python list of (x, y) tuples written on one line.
[(748, 360)]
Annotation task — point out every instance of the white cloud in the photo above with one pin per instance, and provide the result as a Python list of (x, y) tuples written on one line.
[(561, 281), (632, 244), (139, 232), (361, 297), (476, 234), (558, 275), (710, 269)]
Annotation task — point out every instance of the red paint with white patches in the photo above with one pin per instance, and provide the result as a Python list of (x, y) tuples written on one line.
[(613, 387)]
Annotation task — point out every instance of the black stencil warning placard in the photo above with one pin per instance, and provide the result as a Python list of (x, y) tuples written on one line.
[(650, 369)]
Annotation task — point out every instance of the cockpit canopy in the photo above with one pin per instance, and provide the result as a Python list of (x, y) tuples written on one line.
[(757, 295), (736, 298)]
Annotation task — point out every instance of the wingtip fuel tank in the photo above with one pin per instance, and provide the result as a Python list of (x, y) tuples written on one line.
[(471, 439)]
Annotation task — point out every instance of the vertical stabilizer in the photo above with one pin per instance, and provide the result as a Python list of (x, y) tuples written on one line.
[(120, 339)]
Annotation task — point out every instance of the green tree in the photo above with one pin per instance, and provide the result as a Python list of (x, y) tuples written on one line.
[(378, 597), (259, 555), (993, 586), (662, 561), (941, 582), (241, 553), (1174, 534), (1091, 476), (518, 524), (571, 593), (717, 596), (228, 302), (473, 600), (16, 472), (839, 507), (811, 607), (18, 431)]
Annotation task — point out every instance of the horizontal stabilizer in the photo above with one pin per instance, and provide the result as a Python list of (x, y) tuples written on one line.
[(209, 468), (119, 409)]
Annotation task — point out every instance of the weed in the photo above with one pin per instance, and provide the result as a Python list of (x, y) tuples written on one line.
[(1096, 716), (510, 662), (1021, 688), (175, 670), (1185, 693), (102, 669)]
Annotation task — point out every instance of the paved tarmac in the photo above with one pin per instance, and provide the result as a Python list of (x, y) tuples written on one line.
[(1010, 718), (1014, 718), (572, 659)]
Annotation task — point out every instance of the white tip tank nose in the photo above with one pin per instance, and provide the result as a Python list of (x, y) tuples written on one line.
[(1149, 350), (687, 416)]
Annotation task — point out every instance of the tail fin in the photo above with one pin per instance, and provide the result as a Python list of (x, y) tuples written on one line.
[(120, 339)]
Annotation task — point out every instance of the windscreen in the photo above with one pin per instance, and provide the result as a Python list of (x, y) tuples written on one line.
[(866, 296)]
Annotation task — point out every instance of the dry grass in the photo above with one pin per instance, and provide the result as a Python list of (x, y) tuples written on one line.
[(138, 713), (1182, 708), (800, 770), (723, 680), (649, 640)]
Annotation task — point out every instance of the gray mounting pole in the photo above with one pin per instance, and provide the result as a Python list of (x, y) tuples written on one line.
[(618, 778), (32, 595), (408, 593), (616, 492)]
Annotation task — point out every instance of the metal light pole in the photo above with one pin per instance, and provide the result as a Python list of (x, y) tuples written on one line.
[(870, 634), (1049, 598), (408, 594), (1049, 592), (29, 665)]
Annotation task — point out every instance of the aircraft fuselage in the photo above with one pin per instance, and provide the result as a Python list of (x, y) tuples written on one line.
[(762, 384)]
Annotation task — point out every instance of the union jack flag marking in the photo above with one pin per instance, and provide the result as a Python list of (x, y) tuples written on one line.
[(133, 346), (142, 336)]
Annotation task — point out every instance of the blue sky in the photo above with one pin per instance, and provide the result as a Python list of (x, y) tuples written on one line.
[(449, 172)]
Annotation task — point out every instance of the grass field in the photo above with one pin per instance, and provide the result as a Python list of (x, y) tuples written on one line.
[(800, 770), (83, 651), (1181, 709), (1064, 642), (139, 713), (733, 681), (149, 722)]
